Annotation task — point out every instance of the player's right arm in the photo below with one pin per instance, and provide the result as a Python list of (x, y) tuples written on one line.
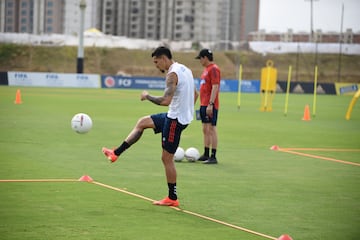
[(165, 100)]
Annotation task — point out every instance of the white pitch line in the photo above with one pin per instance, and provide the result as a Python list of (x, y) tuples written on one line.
[(188, 212), (38, 180), (147, 199)]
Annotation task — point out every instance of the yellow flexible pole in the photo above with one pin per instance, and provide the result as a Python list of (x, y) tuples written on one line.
[(239, 87), (287, 90)]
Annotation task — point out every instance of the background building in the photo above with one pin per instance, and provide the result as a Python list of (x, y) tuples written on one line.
[(221, 21), (32, 16), (45, 16), (71, 18), (319, 37)]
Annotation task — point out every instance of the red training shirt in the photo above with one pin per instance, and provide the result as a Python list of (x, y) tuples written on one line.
[(209, 77)]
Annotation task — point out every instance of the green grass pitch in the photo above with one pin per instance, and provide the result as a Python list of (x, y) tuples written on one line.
[(270, 192)]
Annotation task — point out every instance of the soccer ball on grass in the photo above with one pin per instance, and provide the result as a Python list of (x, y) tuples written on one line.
[(179, 154), (81, 123), (192, 154)]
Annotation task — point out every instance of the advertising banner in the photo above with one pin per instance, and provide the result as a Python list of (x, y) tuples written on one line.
[(71, 80), (132, 82), (226, 85), (346, 88), (247, 86)]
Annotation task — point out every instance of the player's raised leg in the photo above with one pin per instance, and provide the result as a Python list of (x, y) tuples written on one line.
[(135, 134)]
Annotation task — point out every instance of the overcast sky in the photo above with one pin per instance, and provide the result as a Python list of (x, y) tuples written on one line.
[(280, 15)]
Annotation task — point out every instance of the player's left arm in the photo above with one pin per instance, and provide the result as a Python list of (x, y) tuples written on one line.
[(210, 106), (214, 91), (215, 84), (165, 100)]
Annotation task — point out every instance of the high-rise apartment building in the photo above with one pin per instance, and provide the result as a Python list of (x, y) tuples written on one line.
[(45, 16), (220, 21), (32, 16), (72, 20), (195, 20)]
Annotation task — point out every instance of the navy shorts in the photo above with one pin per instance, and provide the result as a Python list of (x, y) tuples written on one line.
[(205, 118), (170, 131)]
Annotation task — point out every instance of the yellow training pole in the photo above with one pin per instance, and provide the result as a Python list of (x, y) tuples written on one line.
[(352, 104), (287, 91), (315, 85), (239, 87)]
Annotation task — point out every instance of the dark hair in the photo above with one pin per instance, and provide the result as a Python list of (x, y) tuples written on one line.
[(162, 51)]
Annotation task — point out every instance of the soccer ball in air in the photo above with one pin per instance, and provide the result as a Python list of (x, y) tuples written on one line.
[(81, 123), (192, 154), (179, 154)]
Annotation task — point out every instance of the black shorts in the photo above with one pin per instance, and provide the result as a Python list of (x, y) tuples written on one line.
[(170, 131), (205, 118)]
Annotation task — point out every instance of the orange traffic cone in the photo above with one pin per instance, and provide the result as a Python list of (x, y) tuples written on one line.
[(284, 237), (18, 97), (85, 178), (306, 116), (275, 148)]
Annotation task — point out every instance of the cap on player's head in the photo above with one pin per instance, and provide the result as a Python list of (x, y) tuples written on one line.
[(205, 53), (162, 51)]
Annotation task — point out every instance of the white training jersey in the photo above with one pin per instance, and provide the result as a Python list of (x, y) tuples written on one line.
[(182, 104)]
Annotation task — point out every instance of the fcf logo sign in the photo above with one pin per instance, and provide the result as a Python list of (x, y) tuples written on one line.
[(109, 82)]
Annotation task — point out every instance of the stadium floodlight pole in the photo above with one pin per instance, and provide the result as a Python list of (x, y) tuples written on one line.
[(80, 57), (340, 42), (311, 20)]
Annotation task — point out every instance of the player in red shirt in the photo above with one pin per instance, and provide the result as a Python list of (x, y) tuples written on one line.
[(209, 104)]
